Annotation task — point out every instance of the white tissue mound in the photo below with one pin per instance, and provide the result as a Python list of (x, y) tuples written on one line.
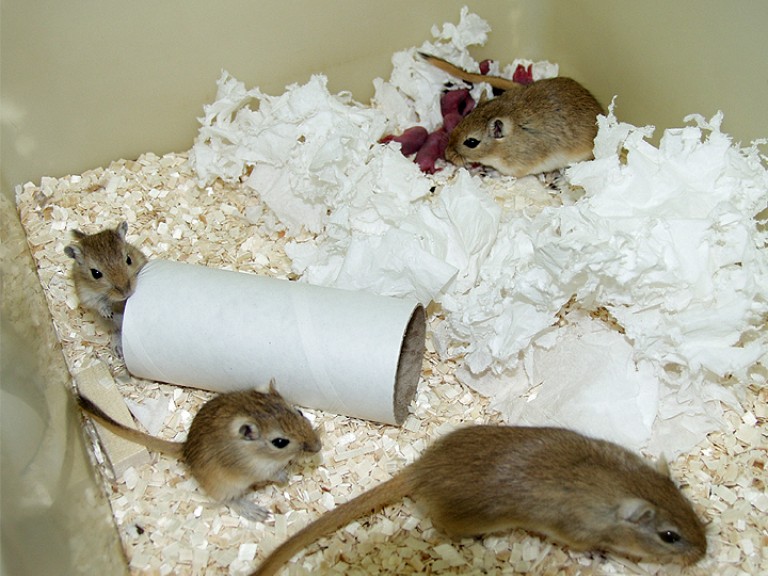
[(664, 238)]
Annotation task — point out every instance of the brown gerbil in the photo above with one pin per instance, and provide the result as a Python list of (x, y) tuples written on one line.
[(237, 441), (529, 129), (585, 493), (105, 270)]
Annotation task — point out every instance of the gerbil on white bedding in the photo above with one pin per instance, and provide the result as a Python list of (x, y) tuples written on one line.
[(528, 129), (585, 493), (237, 442)]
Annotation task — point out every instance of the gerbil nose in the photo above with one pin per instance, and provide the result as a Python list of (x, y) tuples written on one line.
[(125, 291), (314, 446)]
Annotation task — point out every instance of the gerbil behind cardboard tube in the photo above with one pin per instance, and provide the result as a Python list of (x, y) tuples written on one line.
[(342, 351)]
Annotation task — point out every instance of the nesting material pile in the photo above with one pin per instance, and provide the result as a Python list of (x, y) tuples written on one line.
[(663, 239), (629, 304)]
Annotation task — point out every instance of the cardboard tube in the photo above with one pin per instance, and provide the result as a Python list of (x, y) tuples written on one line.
[(345, 352)]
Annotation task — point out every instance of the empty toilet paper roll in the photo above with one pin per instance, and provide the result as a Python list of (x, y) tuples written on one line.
[(346, 352)]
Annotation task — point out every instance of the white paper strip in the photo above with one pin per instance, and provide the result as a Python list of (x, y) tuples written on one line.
[(346, 352)]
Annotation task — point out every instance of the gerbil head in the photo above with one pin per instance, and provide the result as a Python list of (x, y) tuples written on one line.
[(490, 136), (254, 424), (658, 526), (105, 263), (282, 429)]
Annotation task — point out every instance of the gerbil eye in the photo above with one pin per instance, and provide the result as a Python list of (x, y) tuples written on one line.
[(128, 261), (669, 536), (471, 142), (280, 442), (96, 273), (246, 431)]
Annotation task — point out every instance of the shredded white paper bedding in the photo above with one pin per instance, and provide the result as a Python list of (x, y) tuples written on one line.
[(630, 304), (663, 238)]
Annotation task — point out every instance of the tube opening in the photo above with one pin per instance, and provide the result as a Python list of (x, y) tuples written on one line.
[(409, 363)]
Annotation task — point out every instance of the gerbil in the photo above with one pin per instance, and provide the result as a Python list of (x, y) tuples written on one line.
[(105, 270), (529, 129), (237, 440), (588, 494)]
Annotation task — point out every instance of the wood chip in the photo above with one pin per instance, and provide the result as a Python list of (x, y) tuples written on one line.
[(97, 384)]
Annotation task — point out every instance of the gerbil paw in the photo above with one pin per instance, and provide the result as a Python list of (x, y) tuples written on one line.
[(106, 311), (116, 344), (553, 180), (250, 510), (281, 477), (117, 321)]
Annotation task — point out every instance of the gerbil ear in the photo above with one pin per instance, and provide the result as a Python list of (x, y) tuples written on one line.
[(496, 128), (248, 432), (273, 389), (636, 511), (73, 251), (122, 229), (662, 465)]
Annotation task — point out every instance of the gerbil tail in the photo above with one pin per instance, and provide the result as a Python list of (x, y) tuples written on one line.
[(445, 66), (152, 443), (369, 502)]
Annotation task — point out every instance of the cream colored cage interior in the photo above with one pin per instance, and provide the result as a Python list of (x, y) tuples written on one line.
[(86, 83)]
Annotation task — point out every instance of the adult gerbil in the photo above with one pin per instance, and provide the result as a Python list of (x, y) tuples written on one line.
[(529, 129), (236, 442), (105, 270), (585, 493)]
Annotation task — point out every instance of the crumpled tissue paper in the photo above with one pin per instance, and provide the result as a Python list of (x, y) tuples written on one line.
[(662, 238)]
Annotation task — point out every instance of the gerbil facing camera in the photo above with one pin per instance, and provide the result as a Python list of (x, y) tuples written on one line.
[(237, 442), (105, 270), (529, 129), (585, 493)]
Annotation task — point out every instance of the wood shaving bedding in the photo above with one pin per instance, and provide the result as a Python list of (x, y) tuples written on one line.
[(168, 526)]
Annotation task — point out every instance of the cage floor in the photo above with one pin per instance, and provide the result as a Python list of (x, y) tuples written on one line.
[(168, 526)]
